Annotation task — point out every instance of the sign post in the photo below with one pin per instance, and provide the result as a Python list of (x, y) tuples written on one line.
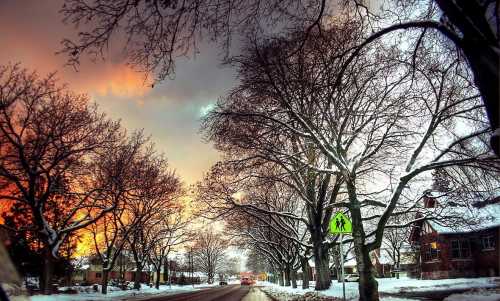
[(340, 224)]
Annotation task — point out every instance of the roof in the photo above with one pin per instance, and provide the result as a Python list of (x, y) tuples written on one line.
[(474, 219)]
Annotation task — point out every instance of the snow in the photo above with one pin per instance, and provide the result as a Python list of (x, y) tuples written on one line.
[(480, 295), (474, 218), (85, 267), (312, 264), (115, 293), (482, 218), (389, 285), (393, 285), (350, 263)]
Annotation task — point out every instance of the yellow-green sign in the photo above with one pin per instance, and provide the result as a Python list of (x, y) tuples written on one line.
[(340, 224)]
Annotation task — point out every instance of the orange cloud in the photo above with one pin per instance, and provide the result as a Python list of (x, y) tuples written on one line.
[(120, 81)]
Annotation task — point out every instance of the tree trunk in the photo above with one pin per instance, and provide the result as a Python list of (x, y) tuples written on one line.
[(166, 271), (158, 274), (293, 276), (398, 262), (104, 282), (368, 286), (287, 276), (280, 278), (322, 263), (305, 272), (137, 278), (46, 277)]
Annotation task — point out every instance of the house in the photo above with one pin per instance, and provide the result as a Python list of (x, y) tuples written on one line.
[(386, 267), (350, 266), (123, 270), (171, 273), (382, 263), (458, 249), (81, 268)]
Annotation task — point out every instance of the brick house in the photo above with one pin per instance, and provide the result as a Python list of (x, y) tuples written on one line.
[(459, 250)]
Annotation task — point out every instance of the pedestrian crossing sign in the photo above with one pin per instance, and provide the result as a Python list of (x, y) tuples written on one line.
[(340, 224)]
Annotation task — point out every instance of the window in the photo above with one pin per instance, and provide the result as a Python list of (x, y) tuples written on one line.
[(488, 242), (460, 249), (431, 252), (97, 275)]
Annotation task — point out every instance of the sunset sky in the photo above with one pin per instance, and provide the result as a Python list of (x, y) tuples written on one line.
[(30, 33)]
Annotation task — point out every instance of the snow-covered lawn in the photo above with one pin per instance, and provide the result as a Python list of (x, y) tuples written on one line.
[(476, 295), (392, 285), (115, 293), (387, 285)]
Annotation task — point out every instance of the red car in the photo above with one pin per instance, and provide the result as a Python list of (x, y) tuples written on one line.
[(246, 281)]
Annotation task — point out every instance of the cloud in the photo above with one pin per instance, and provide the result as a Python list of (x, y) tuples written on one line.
[(123, 82), (204, 110), (33, 41), (170, 111)]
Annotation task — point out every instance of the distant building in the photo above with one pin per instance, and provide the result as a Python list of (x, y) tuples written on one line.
[(453, 251), (94, 275), (123, 270), (383, 264), (386, 267), (247, 275)]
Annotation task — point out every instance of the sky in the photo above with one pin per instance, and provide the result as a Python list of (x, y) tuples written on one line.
[(30, 34)]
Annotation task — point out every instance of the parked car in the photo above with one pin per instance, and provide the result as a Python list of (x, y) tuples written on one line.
[(246, 281), (351, 278), (223, 282)]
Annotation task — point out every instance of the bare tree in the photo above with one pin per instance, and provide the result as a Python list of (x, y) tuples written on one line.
[(157, 31), (158, 190), (253, 154), (263, 213), (208, 253), (51, 139), (17, 82), (110, 235), (363, 126), (396, 242), (471, 26), (169, 232)]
